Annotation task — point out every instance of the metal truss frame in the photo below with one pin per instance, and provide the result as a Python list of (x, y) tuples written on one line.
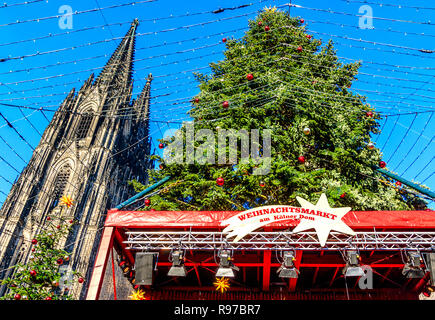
[(202, 240)]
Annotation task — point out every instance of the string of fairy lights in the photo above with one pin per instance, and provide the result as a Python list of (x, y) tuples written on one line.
[(398, 67), (178, 61), (177, 85), (392, 104)]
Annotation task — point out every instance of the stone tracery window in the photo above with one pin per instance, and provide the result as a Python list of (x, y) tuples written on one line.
[(84, 125), (60, 183)]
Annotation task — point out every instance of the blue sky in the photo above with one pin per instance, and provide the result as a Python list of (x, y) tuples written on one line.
[(176, 37)]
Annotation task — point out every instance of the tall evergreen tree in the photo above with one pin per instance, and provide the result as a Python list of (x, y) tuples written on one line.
[(279, 77)]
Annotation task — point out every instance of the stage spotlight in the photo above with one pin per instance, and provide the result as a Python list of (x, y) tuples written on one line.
[(177, 269), (287, 268), (352, 268), (226, 267), (412, 268)]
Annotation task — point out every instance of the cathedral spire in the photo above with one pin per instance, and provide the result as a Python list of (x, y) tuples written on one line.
[(81, 154), (118, 69), (141, 105)]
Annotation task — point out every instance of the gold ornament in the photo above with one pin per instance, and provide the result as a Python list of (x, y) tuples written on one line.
[(65, 200), (270, 9), (222, 284), (138, 295)]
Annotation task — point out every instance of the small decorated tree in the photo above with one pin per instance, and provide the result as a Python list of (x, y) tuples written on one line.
[(41, 278)]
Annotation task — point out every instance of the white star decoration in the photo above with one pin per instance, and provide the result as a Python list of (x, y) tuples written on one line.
[(321, 224)]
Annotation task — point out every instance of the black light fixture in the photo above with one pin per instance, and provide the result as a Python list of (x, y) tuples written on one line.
[(287, 268), (127, 270), (131, 277), (412, 267), (352, 268), (177, 258), (428, 293), (226, 266), (125, 266)]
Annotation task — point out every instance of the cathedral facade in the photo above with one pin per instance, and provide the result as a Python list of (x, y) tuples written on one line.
[(97, 140)]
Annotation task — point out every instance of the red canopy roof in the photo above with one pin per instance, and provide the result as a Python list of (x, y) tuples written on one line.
[(212, 219)]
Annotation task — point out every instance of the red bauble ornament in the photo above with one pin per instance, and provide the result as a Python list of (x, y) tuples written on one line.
[(71, 221), (301, 159), (48, 298), (249, 76), (33, 249), (32, 273), (225, 104), (59, 261), (308, 36), (342, 195), (262, 184), (196, 100), (81, 280), (161, 166), (58, 227), (260, 23), (266, 28), (299, 49), (220, 181), (382, 164), (48, 218), (398, 183), (161, 145), (34, 241), (369, 114), (302, 20), (224, 39), (17, 296), (147, 202)]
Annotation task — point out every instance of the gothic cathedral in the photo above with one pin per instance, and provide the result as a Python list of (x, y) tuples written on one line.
[(97, 140)]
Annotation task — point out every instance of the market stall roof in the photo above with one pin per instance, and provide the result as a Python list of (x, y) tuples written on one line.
[(212, 219), (392, 232)]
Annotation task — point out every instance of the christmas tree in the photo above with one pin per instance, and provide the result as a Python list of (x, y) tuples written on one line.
[(42, 277), (278, 78)]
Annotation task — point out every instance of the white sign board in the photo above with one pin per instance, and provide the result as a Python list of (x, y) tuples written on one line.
[(320, 217)]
